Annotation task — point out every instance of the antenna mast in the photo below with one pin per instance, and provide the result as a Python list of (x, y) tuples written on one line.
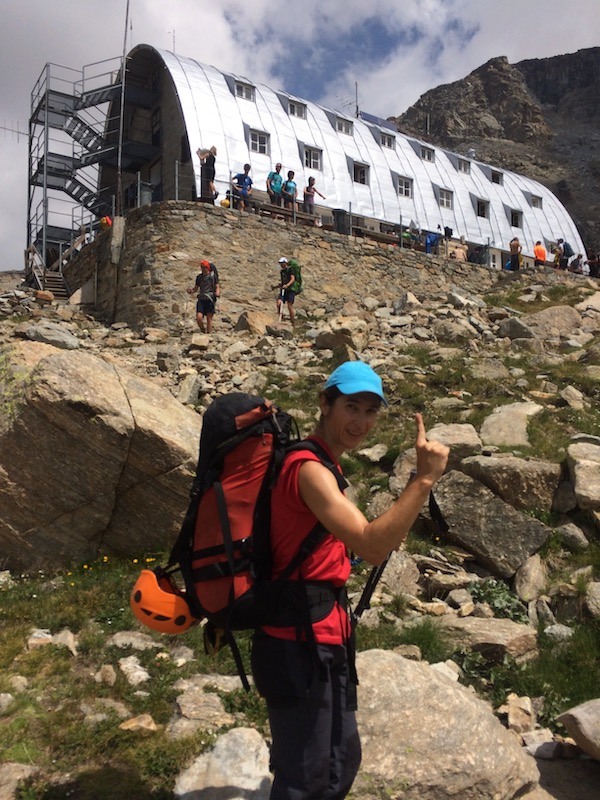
[(121, 120)]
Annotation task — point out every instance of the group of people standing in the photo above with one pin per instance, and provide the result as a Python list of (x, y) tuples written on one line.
[(282, 192), (285, 192), (564, 258)]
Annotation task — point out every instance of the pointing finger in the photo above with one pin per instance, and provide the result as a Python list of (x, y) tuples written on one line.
[(421, 437)]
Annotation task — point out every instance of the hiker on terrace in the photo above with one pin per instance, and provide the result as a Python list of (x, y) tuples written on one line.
[(207, 173), (289, 191), (309, 196), (540, 255), (593, 263), (207, 286), (274, 184), (310, 687), (286, 294), (242, 187), (515, 254)]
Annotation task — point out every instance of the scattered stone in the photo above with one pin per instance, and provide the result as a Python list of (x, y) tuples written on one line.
[(375, 453), (12, 776), (592, 598), (133, 670), (67, 639), (583, 460), (134, 639), (6, 700), (141, 724), (573, 537), (239, 757), (530, 579), (106, 674), (520, 713), (558, 632), (39, 638)]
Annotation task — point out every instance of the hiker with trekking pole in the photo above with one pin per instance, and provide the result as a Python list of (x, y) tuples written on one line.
[(264, 546), (306, 671)]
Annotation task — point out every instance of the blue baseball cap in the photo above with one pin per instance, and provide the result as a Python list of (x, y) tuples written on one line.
[(354, 377)]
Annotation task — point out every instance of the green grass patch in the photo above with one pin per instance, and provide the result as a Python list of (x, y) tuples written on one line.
[(564, 674), (429, 637)]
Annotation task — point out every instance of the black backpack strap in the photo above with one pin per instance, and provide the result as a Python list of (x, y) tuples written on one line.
[(225, 525), (314, 447)]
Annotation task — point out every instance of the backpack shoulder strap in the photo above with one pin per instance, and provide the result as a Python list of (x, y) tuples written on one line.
[(314, 447), (318, 532)]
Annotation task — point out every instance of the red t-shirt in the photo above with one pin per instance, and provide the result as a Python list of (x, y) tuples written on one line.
[(291, 522)]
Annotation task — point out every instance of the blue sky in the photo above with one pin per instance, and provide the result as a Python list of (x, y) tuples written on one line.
[(318, 49)]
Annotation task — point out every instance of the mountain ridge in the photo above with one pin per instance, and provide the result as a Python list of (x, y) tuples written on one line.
[(538, 117)]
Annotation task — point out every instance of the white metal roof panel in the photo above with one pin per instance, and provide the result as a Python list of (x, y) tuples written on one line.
[(214, 115)]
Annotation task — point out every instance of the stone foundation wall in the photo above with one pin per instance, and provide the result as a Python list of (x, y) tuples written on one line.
[(142, 280)]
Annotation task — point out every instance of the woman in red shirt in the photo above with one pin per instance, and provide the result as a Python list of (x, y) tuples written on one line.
[(308, 679)]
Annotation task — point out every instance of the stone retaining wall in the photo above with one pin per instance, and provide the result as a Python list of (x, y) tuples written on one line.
[(143, 281)]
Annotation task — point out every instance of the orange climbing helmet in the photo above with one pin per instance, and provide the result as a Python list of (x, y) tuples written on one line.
[(158, 603)]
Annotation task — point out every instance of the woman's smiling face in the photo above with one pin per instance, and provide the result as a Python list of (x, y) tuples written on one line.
[(348, 419)]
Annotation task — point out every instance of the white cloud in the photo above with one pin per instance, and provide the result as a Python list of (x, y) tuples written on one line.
[(252, 37)]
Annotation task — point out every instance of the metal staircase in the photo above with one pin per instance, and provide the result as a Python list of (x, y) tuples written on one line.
[(68, 125)]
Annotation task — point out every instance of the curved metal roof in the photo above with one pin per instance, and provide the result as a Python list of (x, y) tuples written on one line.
[(214, 115)]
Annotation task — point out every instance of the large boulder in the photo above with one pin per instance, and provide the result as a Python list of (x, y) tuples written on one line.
[(523, 483), (425, 737), (583, 459), (507, 425), (501, 537), (494, 638), (583, 724), (91, 458), (553, 322), (461, 438)]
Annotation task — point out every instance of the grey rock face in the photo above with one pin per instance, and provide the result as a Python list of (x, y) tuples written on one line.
[(415, 711), (113, 459), (501, 537), (523, 483)]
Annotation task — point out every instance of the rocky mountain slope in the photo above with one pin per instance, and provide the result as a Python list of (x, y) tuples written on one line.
[(75, 374), (506, 369), (538, 117)]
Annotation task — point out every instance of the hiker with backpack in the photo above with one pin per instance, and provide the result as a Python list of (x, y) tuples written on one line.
[(305, 668), (264, 546), (286, 293), (208, 289), (565, 253)]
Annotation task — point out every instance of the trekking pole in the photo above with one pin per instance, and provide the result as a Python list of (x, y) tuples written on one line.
[(364, 602), (367, 593), (281, 301)]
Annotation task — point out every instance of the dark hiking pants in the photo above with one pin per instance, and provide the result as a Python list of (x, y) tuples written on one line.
[(315, 753)]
